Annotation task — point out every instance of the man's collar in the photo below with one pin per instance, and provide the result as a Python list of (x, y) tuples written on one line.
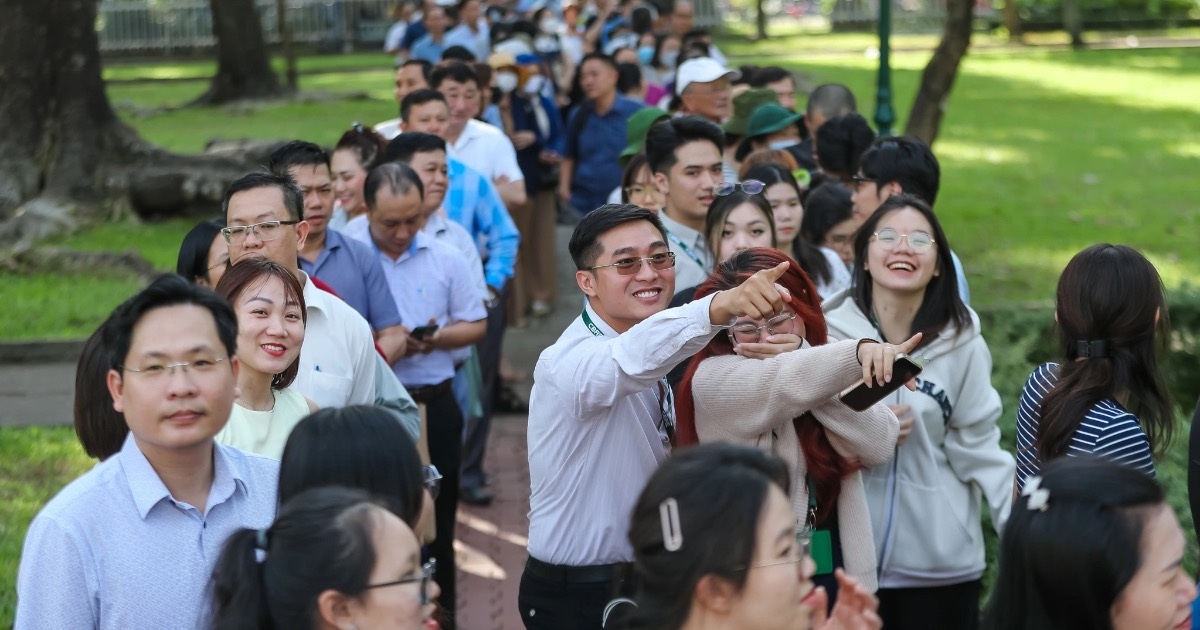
[(685, 233), (148, 489)]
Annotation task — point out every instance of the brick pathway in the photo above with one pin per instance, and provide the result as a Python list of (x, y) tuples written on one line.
[(491, 541)]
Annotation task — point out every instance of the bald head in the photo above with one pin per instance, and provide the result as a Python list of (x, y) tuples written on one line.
[(828, 101)]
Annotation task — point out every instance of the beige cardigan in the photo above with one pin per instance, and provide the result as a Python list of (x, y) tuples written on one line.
[(746, 401)]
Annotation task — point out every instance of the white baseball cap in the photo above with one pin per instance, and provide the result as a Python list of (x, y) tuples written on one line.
[(701, 70)]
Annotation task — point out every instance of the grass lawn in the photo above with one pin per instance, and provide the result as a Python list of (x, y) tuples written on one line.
[(1042, 154)]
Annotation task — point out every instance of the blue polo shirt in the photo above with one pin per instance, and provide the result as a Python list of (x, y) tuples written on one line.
[(351, 268), (595, 150)]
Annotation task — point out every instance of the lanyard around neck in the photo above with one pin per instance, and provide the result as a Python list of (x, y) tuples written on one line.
[(675, 240), (587, 321)]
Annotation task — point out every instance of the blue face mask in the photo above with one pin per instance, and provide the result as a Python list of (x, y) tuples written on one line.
[(779, 145), (645, 55)]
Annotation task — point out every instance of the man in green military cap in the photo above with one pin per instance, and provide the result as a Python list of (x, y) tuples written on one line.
[(735, 128), (771, 126)]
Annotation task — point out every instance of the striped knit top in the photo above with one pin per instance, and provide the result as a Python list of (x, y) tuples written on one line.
[(1108, 430)]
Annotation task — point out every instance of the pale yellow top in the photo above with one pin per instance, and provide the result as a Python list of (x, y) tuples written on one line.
[(265, 432)]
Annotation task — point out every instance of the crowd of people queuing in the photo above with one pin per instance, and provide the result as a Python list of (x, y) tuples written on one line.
[(317, 380)]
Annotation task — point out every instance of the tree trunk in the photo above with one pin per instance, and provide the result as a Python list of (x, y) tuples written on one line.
[(243, 65), (761, 19), (937, 80), (285, 38), (65, 157), (1073, 22), (1012, 21)]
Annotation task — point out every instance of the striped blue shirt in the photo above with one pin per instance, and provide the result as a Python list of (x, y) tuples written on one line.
[(474, 203), (1108, 430)]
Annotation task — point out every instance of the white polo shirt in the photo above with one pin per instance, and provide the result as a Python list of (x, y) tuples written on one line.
[(487, 150), (337, 360)]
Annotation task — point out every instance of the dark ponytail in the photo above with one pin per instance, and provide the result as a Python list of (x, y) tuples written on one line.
[(320, 541), (1111, 294)]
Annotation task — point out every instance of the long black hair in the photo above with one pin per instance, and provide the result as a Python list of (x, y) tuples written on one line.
[(192, 263), (1063, 565), (1108, 293), (359, 446), (720, 491), (824, 207), (321, 540), (942, 306), (811, 260), (718, 213)]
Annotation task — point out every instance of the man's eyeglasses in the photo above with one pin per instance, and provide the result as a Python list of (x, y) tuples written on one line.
[(749, 333), (630, 266), (750, 187), (265, 231), (427, 572), (432, 480), (858, 180), (158, 370), (918, 242)]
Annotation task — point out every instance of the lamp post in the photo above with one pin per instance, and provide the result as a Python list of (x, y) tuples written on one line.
[(885, 114)]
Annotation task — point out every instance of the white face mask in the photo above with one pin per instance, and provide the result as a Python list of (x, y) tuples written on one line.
[(668, 58), (534, 84), (779, 145), (506, 81)]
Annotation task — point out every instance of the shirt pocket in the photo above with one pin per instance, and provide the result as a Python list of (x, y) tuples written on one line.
[(329, 390)]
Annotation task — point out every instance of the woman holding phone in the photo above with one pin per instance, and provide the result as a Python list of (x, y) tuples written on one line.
[(796, 414), (924, 503)]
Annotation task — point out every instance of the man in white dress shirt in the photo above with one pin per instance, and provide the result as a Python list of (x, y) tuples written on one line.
[(685, 160), (600, 416)]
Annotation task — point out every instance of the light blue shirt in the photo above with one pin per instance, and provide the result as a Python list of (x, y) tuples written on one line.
[(427, 49), (431, 280), (349, 267), (474, 203), (114, 550)]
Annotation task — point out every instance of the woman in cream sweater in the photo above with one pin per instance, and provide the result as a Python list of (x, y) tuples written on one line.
[(774, 385)]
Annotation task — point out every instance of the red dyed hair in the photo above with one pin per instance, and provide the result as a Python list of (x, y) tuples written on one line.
[(826, 467)]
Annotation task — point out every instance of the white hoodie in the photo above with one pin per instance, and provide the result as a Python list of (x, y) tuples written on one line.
[(925, 503)]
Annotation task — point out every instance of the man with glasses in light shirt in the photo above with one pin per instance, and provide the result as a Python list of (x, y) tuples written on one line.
[(337, 361), (601, 416), (133, 542)]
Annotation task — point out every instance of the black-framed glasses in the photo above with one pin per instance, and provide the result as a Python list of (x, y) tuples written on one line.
[(749, 186), (749, 333), (432, 480), (265, 231), (158, 370), (630, 266), (858, 180), (427, 572), (919, 242)]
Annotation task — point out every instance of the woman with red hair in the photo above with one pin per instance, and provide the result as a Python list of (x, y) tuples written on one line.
[(787, 404)]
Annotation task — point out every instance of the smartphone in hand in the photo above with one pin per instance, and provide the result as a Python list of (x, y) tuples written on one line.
[(423, 332), (860, 397)]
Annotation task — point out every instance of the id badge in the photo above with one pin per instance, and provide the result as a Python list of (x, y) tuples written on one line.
[(821, 547)]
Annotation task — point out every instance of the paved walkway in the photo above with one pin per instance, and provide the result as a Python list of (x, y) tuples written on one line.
[(490, 541)]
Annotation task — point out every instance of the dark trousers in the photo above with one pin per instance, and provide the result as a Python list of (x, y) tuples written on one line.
[(953, 607), (477, 429), (555, 605), (444, 421)]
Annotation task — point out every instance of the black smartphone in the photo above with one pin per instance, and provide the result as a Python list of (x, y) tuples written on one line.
[(860, 397), (421, 332)]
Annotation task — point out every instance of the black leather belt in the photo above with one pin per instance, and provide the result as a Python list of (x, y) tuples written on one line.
[(563, 574), (427, 393)]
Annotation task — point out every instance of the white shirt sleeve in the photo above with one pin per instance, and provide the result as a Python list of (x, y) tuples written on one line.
[(395, 35), (506, 160)]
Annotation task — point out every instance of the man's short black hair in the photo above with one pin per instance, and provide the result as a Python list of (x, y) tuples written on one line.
[(629, 77), (599, 56), (403, 147), (906, 161), (666, 136), (167, 290), (293, 199), (297, 153), (456, 71), (585, 243), (831, 99), (458, 53), (841, 142), (769, 74), (426, 67), (397, 176), (418, 97)]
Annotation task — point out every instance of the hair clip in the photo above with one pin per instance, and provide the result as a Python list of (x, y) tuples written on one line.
[(802, 177), (1091, 349), (356, 126), (1038, 496), (668, 511)]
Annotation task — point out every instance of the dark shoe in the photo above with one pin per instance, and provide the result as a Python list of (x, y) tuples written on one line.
[(475, 496), (507, 401)]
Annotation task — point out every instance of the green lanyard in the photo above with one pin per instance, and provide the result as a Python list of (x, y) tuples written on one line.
[(675, 240), (587, 320)]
